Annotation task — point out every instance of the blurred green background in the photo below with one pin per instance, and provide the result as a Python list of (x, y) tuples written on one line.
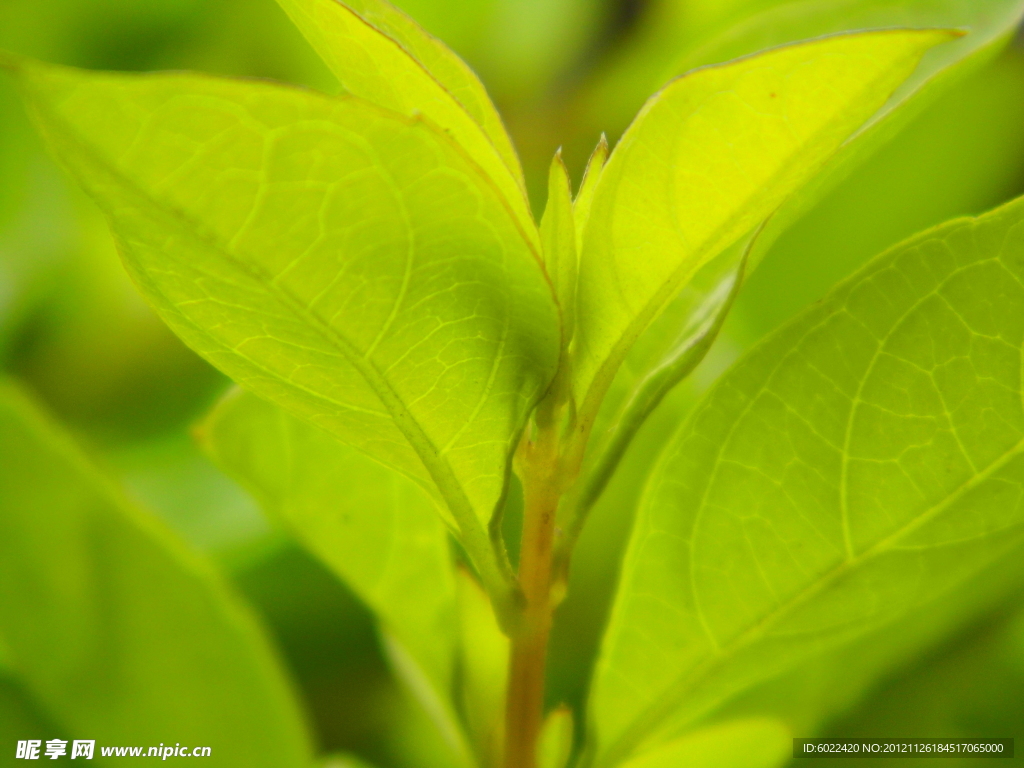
[(73, 329)]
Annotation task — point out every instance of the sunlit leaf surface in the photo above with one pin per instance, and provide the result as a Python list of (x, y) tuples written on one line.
[(706, 161), (862, 461), (380, 54), (346, 262)]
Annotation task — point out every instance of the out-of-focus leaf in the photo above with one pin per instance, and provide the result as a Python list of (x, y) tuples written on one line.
[(172, 477), (34, 210), (115, 629), (463, 25), (529, 44), (19, 718), (864, 460), (760, 743), (380, 54), (554, 746), (435, 702), (483, 659), (705, 162), (373, 527), (93, 350), (969, 688), (558, 238), (341, 260), (344, 761)]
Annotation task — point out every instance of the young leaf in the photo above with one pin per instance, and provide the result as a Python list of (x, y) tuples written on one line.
[(585, 197), (376, 529), (343, 261), (705, 162), (115, 629), (381, 55), (756, 743), (558, 238), (864, 460)]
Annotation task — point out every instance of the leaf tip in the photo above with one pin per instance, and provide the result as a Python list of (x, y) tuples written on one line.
[(558, 161)]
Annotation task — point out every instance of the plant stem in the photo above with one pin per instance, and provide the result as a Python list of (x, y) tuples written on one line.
[(539, 470)]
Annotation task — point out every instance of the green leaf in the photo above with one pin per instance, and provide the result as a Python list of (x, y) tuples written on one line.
[(345, 262), (435, 702), (989, 26), (706, 161), (19, 718), (374, 528), (114, 628), (828, 684), (864, 460), (585, 197), (380, 54), (483, 660), (558, 237), (344, 761), (554, 746), (756, 743)]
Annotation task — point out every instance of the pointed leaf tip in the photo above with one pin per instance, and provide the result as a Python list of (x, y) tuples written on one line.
[(761, 127), (558, 239)]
